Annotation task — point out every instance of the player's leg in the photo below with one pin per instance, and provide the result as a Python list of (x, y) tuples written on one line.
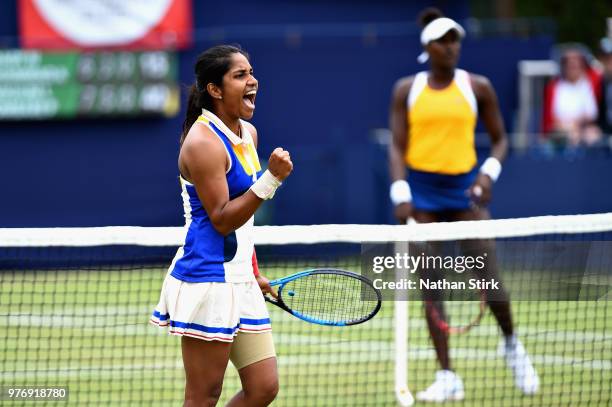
[(434, 313), (254, 356), (434, 304), (447, 384), (253, 352), (205, 363), (497, 300)]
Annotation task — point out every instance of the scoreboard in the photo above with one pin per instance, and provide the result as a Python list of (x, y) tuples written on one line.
[(52, 85)]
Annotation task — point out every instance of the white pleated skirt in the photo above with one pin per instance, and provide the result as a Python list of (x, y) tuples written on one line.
[(211, 311)]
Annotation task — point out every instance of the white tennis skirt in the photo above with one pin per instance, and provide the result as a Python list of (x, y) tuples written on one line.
[(211, 311)]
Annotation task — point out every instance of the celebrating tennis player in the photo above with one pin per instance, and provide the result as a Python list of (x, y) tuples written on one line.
[(433, 118), (212, 294)]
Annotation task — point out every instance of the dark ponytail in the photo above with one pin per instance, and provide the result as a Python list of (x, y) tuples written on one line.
[(193, 111), (428, 15), (210, 67)]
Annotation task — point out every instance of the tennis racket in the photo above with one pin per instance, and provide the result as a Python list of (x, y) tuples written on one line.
[(457, 313), (459, 316), (327, 297)]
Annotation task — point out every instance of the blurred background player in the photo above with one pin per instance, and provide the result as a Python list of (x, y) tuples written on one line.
[(211, 295), (433, 118)]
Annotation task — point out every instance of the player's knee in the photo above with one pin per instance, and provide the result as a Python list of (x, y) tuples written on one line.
[(497, 297), (265, 392), (273, 389), (202, 395), (270, 390), (214, 392)]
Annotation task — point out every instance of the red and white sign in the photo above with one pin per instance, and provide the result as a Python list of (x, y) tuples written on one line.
[(108, 24)]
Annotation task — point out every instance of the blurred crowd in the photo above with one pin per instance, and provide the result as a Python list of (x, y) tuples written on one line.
[(578, 102)]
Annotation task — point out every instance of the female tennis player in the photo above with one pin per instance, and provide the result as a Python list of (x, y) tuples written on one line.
[(212, 294), (433, 118)]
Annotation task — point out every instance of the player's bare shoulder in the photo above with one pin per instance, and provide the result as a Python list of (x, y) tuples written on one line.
[(401, 88), (201, 140), (201, 146), (481, 85)]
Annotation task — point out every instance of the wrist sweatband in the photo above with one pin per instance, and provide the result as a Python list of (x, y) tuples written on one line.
[(400, 192), (266, 185), (491, 167)]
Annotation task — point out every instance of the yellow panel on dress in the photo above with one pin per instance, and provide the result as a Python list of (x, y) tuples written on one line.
[(441, 132), (247, 154)]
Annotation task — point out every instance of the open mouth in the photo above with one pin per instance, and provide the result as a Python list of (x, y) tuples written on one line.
[(249, 99)]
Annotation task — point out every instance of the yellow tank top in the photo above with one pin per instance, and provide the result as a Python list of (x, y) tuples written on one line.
[(441, 126)]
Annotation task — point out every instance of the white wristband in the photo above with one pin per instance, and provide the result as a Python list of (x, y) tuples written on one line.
[(266, 185), (491, 167), (400, 192)]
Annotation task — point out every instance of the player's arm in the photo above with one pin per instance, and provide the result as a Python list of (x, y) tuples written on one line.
[(398, 124), (399, 128), (490, 114), (205, 159), (262, 281)]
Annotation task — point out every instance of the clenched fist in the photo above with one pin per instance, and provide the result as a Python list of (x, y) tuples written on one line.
[(280, 164)]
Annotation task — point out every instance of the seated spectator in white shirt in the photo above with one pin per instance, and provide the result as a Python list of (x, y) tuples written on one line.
[(605, 102), (571, 101)]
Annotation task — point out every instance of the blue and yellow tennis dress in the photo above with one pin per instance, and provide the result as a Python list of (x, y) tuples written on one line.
[(441, 156), (210, 291)]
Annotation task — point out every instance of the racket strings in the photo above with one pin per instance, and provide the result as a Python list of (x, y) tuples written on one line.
[(329, 297)]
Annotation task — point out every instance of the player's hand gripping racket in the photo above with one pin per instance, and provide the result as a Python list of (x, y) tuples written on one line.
[(459, 316), (327, 297)]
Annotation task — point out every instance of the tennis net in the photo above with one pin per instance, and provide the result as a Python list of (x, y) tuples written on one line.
[(74, 305)]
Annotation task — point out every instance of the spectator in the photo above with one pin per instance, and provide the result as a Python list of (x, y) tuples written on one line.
[(605, 101), (570, 101)]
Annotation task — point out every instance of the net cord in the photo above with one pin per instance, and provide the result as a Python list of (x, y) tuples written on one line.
[(313, 234)]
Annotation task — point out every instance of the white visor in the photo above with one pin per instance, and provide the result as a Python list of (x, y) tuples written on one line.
[(436, 30)]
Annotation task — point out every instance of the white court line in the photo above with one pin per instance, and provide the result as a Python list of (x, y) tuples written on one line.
[(354, 354), (106, 319), (536, 334), (351, 351)]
